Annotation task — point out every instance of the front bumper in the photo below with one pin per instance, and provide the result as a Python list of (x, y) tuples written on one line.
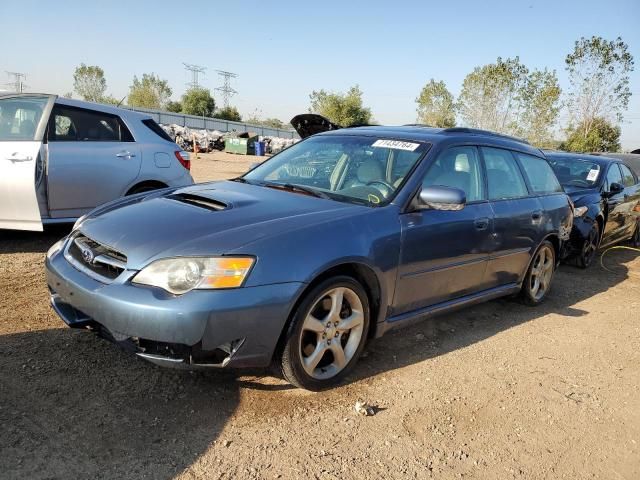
[(194, 328)]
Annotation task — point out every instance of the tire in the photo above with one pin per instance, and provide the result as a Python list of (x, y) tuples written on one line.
[(537, 282), (318, 329), (635, 240), (584, 259)]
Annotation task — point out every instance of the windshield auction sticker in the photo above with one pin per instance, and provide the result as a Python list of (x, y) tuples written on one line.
[(397, 144), (593, 174)]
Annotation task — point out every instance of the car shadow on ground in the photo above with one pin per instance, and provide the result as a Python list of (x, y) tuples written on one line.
[(73, 406), (18, 241), (459, 329)]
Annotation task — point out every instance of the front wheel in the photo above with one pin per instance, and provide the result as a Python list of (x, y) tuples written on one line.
[(327, 334), (537, 282), (589, 247)]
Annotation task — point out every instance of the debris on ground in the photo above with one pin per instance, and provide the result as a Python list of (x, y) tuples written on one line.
[(364, 409)]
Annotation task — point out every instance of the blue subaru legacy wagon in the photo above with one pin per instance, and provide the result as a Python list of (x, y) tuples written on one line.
[(335, 240)]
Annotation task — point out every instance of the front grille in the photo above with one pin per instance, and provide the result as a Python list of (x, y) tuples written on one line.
[(99, 261)]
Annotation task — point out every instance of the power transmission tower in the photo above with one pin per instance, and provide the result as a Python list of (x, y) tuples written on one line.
[(17, 83), (195, 71), (226, 89)]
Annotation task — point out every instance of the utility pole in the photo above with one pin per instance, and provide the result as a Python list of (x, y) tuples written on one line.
[(17, 83), (195, 71), (226, 89)]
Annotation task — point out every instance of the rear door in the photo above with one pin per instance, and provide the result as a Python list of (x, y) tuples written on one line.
[(93, 159), (23, 120)]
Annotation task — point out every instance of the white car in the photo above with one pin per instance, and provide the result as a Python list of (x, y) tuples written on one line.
[(60, 158)]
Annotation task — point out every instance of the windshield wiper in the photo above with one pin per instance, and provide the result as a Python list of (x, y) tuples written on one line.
[(291, 187)]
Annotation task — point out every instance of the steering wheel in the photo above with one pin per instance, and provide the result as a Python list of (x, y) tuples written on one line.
[(387, 188)]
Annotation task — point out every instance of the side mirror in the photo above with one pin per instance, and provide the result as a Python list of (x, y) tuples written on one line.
[(614, 188), (441, 198)]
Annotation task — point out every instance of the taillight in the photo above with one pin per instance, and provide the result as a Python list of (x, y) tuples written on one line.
[(183, 158)]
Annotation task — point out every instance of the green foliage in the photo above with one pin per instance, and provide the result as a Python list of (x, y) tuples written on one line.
[(89, 82), (198, 101), (436, 106), (110, 100), (273, 123), (149, 92), (175, 107), (602, 136), (539, 106), (507, 97), (599, 77), (229, 113), (343, 109)]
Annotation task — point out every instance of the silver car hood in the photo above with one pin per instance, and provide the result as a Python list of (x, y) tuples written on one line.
[(206, 219)]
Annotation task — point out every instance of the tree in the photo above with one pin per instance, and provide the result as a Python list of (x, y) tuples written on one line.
[(89, 82), (341, 108), (273, 123), (599, 77), (490, 93), (229, 113), (198, 101), (436, 106), (111, 100), (175, 107), (539, 106), (149, 92), (602, 137)]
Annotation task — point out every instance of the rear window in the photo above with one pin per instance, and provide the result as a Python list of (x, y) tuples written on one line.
[(19, 117), (157, 129), (540, 174)]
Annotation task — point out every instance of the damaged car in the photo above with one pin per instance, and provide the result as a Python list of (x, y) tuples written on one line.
[(606, 196), (337, 239), (61, 158)]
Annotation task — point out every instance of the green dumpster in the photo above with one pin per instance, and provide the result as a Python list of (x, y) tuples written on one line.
[(241, 146)]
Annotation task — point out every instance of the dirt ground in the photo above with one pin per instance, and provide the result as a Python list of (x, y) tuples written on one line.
[(498, 390)]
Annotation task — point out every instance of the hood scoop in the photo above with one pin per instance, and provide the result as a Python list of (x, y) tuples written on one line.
[(199, 201)]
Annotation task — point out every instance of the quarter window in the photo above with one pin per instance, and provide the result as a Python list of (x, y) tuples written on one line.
[(627, 176), (457, 167), (503, 175), (79, 125), (613, 175), (540, 174)]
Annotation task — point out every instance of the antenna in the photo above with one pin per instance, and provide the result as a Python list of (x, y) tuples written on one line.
[(226, 89), (195, 70), (17, 83)]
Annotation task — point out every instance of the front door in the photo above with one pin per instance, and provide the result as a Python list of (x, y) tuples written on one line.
[(92, 160), (614, 228), (444, 253), (23, 121)]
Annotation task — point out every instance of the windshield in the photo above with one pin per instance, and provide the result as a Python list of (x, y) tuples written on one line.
[(19, 117), (347, 168), (575, 172)]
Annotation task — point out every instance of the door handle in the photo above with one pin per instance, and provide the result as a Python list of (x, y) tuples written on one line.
[(15, 158), (536, 216), (481, 223), (125, 155)]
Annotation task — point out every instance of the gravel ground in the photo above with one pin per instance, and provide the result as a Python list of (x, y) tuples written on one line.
[(498, 390)]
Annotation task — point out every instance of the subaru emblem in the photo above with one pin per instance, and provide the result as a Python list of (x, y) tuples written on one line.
[(87, 255)]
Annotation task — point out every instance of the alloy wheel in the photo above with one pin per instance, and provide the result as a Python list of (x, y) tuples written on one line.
[(331, 333), (541, 272), (589, 247)]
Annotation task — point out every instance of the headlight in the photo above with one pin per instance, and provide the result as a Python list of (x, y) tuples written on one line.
[(580, 211), (180, 275)]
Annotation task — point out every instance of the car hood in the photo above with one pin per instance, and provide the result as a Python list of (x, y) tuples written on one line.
[(580, 196), (206, 219)]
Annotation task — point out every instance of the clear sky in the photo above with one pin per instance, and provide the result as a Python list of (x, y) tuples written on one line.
[(284, 50)]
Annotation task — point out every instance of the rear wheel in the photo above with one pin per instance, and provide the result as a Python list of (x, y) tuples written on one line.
[(327, 334), (589, 247), (537, 282)]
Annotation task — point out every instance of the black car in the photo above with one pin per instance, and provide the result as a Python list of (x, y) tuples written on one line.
[(606, 195)]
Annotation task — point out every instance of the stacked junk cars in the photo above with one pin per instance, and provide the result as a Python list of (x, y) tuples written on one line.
[(201, 140)]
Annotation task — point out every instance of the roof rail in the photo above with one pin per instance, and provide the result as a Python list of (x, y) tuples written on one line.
[(479, 131), (424, 125)]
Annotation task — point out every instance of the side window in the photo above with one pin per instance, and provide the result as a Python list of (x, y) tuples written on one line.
[(503, 175), (79, 125), (613, 175), (627, 176), (539, 173), (458, 167)]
